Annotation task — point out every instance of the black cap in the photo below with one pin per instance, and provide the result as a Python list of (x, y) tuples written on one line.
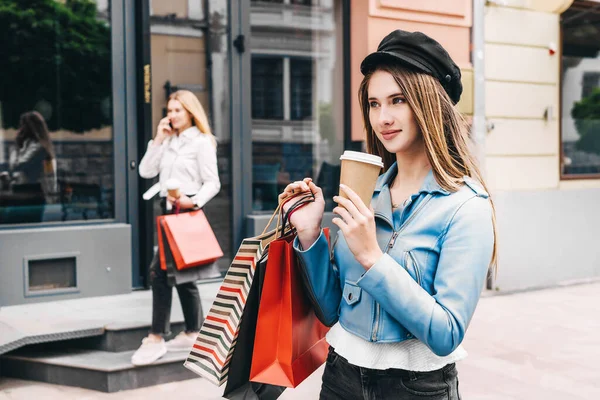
[(420, 53)]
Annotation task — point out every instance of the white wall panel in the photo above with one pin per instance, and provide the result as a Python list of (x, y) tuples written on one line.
[(519, 100), (521, 27), (522, 173), (522, 64), (522, 137), (576, 184)]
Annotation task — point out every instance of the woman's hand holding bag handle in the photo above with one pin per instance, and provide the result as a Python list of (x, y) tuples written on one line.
[(308, 218), (286, 356)]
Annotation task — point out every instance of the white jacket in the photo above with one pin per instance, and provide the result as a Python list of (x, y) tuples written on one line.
[(191, 158)]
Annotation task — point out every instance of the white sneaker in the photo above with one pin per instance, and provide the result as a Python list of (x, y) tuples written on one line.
[(149, 351), (182, 342)]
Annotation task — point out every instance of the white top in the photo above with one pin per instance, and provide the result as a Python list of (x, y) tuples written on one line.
[(191, 158), (410, 355)]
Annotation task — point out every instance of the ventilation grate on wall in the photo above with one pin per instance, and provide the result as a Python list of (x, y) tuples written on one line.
[(50, 275)]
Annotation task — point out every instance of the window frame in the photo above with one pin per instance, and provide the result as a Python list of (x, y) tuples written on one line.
[(563, 176)]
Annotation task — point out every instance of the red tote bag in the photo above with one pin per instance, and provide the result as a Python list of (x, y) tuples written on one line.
[(190, 239), (290, 341)]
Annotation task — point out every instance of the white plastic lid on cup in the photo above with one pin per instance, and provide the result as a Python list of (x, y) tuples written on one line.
[(362, 157), (172, 184)]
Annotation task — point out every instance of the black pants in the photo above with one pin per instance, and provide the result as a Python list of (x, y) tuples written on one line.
[(162, 297), (342, 380)]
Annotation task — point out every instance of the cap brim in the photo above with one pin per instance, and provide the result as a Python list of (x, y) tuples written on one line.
[(383, 57)]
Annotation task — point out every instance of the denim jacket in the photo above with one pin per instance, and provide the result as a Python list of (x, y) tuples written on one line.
[(429, 280)]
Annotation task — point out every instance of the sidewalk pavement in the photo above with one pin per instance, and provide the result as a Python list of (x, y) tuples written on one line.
[(538, 345)]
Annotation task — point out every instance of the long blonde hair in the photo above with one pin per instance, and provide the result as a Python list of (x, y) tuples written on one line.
[(444, 130), (190, 102)]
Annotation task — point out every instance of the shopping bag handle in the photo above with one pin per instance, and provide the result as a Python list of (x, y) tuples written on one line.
[(276, 212), (279, 212), (280, 204), (304, 200)]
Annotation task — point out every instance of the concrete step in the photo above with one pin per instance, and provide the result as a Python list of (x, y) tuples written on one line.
[(119, 338), (93, 369), (113, 338)]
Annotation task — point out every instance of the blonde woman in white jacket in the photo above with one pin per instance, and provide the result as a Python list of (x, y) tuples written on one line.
[(183, 149)]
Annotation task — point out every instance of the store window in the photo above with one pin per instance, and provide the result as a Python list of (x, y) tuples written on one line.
[(189, 51), (580, 122), (56, 135), (297, 96)]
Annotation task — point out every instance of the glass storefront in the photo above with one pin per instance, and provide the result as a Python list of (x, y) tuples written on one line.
[(580, 131), (56, 118), (188, 46), (85, 83), (297, 96)]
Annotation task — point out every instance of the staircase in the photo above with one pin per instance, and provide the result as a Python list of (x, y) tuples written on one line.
[(100, 362)]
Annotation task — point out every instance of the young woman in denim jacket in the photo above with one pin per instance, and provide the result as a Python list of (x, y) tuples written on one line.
[(402, 281)]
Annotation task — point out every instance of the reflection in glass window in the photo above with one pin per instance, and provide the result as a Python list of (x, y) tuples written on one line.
[(297, 96), (581, 89), (189, 50), (301, 88), (56, 139), (267, 87)]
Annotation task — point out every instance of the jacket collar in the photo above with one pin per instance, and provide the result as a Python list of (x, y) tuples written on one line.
[(184, 137), (190, 133), (383, 203), (430, 185)]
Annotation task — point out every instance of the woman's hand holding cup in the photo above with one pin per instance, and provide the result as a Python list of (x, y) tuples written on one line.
[(306, 219), (174, 195)]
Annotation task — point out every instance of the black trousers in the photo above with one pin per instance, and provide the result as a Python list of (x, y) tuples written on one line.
[(344, 381), (162, 298)]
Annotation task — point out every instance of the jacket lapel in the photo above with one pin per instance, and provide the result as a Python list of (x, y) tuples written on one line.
[(382, 204)]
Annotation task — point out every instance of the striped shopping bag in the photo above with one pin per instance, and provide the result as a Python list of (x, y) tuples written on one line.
[(211, 354)]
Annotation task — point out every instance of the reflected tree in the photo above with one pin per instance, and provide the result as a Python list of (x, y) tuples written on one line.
[(586, 114), (56, 60)]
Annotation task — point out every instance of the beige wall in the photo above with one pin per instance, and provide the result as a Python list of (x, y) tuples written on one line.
[(522, 82), (181, 60), (449, 22), (165, 7)]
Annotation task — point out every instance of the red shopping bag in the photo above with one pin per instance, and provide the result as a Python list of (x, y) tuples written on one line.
[(190, 238), (289, 344)]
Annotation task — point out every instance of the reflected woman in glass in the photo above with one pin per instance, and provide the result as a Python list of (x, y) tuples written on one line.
[(32, 162), (183, 150)]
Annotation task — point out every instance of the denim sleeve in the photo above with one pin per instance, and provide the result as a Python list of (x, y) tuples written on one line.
[(321, 279), (440, 320)]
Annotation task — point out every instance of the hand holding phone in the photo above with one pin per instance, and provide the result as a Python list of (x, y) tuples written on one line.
[(164, 129)]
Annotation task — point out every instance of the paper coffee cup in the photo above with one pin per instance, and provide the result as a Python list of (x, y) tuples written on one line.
[(173, 188), (360, 172)]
